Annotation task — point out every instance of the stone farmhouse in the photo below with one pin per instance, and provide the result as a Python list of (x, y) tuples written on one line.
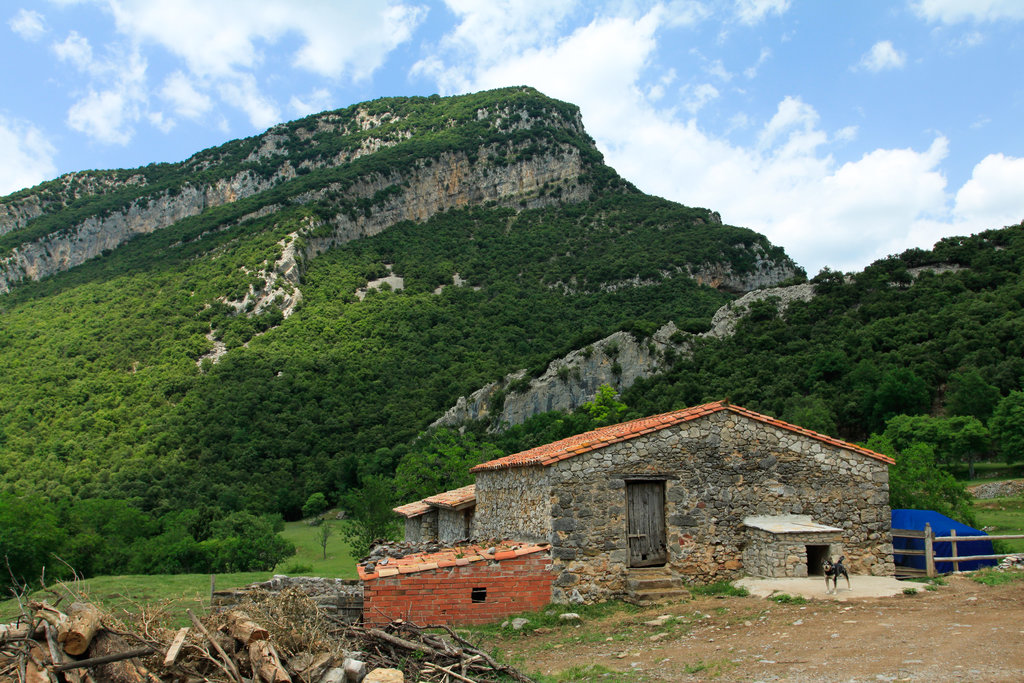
[(692, 496)]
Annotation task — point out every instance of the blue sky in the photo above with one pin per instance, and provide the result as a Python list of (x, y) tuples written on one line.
[(845, 131)]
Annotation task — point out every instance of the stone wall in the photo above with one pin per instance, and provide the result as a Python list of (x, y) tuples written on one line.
[(477, 593), (513, 504), (785, 555), (341, 598), (719, 469), (452, 525)]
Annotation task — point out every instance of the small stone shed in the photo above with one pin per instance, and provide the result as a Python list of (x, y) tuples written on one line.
[(704, 494), (446, 517)]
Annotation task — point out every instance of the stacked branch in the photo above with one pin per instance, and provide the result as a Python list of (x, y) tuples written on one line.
[(282, 638)]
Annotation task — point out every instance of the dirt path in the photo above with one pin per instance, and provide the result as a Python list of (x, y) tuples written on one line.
[(963, 631)]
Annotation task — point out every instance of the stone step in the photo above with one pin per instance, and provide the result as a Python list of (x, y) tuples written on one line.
[(660, 595), (652, 583)]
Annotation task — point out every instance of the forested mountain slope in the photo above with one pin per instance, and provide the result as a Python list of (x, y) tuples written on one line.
[(193, 334)]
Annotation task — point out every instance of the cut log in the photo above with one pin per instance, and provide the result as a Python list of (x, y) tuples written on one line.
[(35, 667), (85, 621), (125, 669), (244, 629), (266, 664), (175, 648)]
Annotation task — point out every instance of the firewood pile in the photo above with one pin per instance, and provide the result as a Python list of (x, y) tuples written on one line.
[(271, 638)]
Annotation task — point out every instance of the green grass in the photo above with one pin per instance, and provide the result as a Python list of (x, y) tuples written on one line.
[(184, 591), (308, 554), (720, 588), (590, 673), (1005, 516), (993, 577), (787, 599)]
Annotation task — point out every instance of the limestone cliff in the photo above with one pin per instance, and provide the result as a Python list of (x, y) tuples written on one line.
[(508, 170), (617, 360)]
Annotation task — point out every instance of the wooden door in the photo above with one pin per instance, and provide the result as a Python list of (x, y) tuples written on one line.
[(645, 522)]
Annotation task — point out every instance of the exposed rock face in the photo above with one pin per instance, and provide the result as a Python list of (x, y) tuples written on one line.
[(450, 180), (617, 360), (90, 238), (723, 323)]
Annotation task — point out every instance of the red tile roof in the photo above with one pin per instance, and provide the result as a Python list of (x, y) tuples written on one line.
[(456, 556), (454, 499), (548, 454), (412, 509)]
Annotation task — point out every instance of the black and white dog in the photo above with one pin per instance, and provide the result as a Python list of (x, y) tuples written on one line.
[(833, 570)]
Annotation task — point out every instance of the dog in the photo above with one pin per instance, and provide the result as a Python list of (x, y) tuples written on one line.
[(833, 570)]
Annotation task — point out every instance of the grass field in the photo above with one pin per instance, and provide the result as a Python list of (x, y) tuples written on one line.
[(1005, 516), (183, 591)]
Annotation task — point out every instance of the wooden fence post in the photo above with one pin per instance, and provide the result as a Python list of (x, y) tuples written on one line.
[(956, 565), (929, 550)]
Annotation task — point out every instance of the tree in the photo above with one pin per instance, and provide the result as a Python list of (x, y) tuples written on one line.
[(314, 505), (605, 409), (917, 483), (970, 394), (1007, 426), (439, 461), (324, 532), (370, 514)]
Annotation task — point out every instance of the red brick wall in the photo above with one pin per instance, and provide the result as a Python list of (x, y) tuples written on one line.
[(444, 596)]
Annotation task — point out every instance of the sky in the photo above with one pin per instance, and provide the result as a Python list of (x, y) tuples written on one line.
[(844, 131)]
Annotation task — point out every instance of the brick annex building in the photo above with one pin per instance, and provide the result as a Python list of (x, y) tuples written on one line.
[(694, 496)]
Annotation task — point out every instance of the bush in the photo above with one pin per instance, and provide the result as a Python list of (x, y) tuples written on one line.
[(314, 505)]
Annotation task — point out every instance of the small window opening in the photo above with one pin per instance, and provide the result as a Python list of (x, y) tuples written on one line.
[(478, 594)]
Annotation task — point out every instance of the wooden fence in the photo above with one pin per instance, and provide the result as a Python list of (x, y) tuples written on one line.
[(929, 553)]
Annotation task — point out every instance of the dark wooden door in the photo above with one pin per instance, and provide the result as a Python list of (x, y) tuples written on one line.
[(645, 521)]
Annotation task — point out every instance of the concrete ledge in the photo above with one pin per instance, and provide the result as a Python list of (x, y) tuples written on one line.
[(813, 587)]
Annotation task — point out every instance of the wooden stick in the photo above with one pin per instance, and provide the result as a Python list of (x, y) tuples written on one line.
[(105, 659), (400, 642), (232, 669), (175, 648), (448, 670)]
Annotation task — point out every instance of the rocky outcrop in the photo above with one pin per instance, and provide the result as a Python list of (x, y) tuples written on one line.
[(58, 194), (617, 360), (77, 244), (550, 175), (723, 323), (767, 272)]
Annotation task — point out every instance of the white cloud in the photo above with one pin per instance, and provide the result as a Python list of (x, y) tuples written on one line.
[(244, 93), (957, 11), (28, 24), (994, 196), (223, 44), (75, 49), (751, 71), (108, 113), (316, 101), (701, 95), (27, 154), (752, 12), (882, 56), (183, 95)]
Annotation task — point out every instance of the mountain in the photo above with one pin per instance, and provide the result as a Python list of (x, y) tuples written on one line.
[(279, 315)]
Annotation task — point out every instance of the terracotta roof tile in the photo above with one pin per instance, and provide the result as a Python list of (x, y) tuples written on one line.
[(412, 509), (549, 454), (454, 498), (457, 556)]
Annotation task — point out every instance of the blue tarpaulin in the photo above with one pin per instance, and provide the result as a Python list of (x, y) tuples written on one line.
[(941, 526)]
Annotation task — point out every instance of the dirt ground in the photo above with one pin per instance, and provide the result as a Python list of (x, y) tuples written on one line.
[(962, 631)]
